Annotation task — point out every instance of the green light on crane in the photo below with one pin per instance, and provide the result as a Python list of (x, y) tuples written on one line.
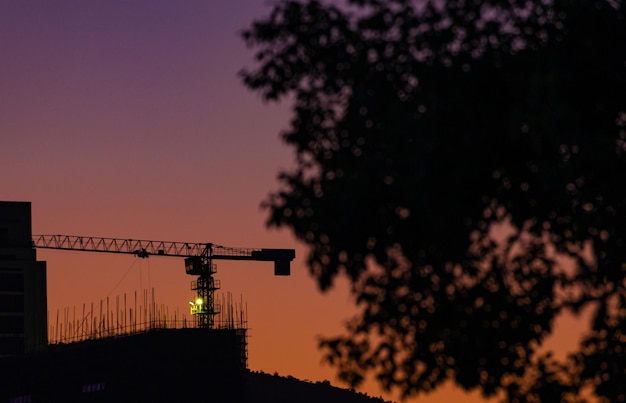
[(197, 307)]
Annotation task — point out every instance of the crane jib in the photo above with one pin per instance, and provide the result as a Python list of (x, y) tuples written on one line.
[(146, 248)]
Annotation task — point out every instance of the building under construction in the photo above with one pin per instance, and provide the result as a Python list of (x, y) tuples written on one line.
[(160, 365), (107, 358)]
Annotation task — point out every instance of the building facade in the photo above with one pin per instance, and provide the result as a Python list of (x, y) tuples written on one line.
[(23, 301)]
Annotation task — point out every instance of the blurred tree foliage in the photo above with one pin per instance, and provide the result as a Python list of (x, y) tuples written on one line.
[(462, 162)]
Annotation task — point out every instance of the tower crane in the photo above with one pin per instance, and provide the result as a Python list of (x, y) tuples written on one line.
[(198, 261)]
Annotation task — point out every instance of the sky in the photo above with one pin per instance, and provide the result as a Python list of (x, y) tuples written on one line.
[(127, 119)]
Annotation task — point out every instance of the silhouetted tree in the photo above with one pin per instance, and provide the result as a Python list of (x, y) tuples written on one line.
[(462, 163)]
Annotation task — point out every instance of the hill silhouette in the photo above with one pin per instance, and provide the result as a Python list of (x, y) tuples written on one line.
[(267, 388)]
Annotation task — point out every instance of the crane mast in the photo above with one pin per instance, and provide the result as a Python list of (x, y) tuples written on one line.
[(198, 261)]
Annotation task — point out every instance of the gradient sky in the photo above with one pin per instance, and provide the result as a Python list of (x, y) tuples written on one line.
[(127, 119)]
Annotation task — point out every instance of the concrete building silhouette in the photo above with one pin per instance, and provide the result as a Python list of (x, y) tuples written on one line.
[(23, 306)]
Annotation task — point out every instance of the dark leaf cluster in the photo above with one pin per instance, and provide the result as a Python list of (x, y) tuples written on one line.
[(462, 162)]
